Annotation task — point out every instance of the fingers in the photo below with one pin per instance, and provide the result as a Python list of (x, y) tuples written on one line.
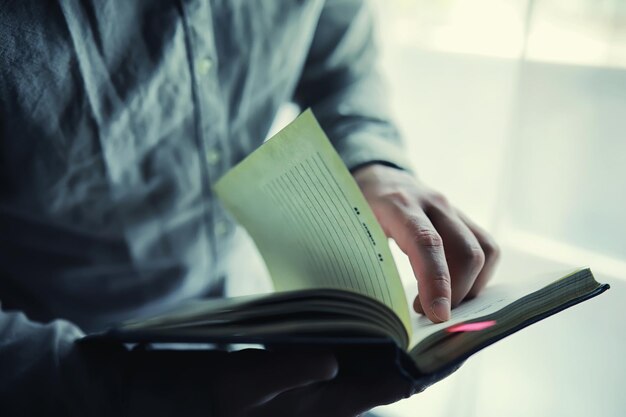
[(417, 237), (341, 397), (256, 383), (230, 384), (452, 258), (464, 254), (490, 250), (257, 375)]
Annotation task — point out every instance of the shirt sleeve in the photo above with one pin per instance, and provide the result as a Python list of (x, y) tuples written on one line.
[(342, 86), (44, 373)]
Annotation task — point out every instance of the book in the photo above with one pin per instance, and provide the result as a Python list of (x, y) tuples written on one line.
[(335, 279)]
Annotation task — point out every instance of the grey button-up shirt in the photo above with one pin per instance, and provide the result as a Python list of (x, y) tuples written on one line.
[(117, 116)]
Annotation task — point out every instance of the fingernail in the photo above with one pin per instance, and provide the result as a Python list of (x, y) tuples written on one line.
[(441, 308)]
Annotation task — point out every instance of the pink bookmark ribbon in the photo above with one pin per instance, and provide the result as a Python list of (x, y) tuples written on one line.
[(471, 327)]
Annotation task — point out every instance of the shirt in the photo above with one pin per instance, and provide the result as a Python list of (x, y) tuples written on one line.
[(117, 116)]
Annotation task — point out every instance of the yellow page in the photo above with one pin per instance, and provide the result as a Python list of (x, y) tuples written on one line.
[(492, 299), (495, 297), (308, 218)]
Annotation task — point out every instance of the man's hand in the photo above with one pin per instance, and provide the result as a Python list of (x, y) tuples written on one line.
[(257, 383), (218, 383), (451, 256)]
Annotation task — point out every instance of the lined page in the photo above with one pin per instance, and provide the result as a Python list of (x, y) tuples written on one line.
[(537, 293), (492, 299), (308, 218)]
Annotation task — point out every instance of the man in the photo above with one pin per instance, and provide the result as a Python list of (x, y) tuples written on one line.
[(116, 117)]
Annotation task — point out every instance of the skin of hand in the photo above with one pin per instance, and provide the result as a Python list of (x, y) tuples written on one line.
[(452, 257), (256, 383)]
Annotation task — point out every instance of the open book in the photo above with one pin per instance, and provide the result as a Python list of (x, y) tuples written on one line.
[(333, 270)]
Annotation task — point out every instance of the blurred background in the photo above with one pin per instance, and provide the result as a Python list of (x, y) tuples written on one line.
[(516, 110)]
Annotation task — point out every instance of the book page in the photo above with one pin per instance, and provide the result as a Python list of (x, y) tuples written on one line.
[(492, 299), (496, 297), (308, 218)]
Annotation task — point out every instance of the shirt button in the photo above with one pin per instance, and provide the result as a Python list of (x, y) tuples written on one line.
[(221, 228), (212, 156), (203, 65)]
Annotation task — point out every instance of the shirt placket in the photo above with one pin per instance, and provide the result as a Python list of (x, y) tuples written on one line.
[(211, 117)]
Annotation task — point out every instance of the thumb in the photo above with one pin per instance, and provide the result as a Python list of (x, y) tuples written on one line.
[(261, 375)]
